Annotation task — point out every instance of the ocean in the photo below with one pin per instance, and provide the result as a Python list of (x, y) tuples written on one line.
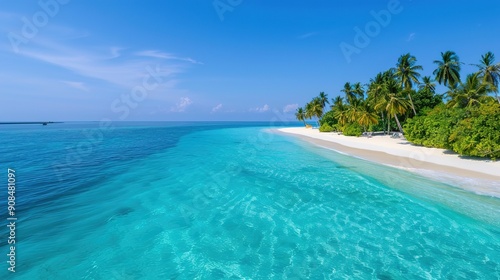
[(200, 200)]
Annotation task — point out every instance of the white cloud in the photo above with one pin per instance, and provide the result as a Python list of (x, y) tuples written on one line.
[(181, 106), (307, 35), (216, 108), (163, 55), (262, 109), (411, 37), (290, 108), (126, 73), (99, 63), (115, 52), (77, 85)]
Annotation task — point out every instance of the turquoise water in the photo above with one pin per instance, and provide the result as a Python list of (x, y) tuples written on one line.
[(231, 201)]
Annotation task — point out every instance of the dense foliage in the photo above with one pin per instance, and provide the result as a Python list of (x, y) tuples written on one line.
[(325, 127), (328, 118), (467, 123), (425, 100), (470, 131), (353, 129), (435, 128)]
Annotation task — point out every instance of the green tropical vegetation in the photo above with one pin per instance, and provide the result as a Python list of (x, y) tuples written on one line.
[(407, 72), (465, 118)]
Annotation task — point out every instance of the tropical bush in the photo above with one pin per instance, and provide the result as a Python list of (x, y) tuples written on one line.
[(328, 118), (425, 100), (434, 129), (325, 127), (479, 134), (352, 129), (472, 132)]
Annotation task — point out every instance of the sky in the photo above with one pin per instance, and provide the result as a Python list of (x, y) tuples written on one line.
[(242, 60)]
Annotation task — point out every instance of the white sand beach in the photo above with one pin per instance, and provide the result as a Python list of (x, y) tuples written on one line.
[(402, 154)]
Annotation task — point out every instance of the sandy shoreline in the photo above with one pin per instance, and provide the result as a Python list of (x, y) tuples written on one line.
[(400, 153)]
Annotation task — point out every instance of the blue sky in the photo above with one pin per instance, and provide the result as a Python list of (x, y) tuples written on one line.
[(73, 60)]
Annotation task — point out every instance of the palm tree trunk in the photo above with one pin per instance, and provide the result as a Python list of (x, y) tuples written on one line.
[(388, 124), (399, 125), (412, 106), (383, 120), (304, 122)]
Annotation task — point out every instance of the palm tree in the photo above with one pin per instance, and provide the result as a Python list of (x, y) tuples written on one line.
[(389, 74), (317, 107), (341, 114), (358, 90), (353, 110), (323, 99), (300, 114), (407, 72), (393, 104), (350, 95), (339, 109), (448, 70), (376, 92), (470, 94), (314, 109), (337, 102), (376, 89), (490, 72), (308, 112), (427, 84), (366, 116)]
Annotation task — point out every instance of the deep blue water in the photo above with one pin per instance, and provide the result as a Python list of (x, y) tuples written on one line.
[(230, 200)]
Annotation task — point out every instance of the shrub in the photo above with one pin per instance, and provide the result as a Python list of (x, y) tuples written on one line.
[(469, 132), (352, 129), (328, 118), (325, 127), (479, 134), (434, 129), (424, 100)]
